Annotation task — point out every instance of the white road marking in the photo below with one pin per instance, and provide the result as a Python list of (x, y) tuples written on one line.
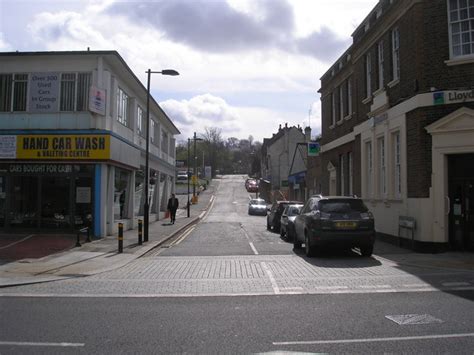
[(416, 285), (452, 284), (267, 270), (18, 241), (185, 234), (369, 340), (253, 248), (375, 286), (29, 343)]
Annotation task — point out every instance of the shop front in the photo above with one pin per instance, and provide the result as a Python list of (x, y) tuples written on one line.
[(48, 197)]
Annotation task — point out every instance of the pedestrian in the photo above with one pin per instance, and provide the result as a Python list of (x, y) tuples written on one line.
[(173, 204), (122, 203)]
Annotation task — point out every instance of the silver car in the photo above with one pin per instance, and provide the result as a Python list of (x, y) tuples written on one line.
[(287, 225), (257, 206)]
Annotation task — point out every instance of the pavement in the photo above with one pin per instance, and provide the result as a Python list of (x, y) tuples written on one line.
[(42, 264), (101, 255)]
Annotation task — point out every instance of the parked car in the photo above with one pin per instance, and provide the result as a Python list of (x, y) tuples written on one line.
[(257, 206), (287, 226), (337, 221), (275, 212)]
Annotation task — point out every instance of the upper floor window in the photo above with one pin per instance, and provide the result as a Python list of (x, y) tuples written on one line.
[(395, 54), (349, 96), (141, 122), (13, 90), (74, 91), (164, 142), (461, 27), (368, 75), (122, 107), (341, 102), (380, 61), (333, 109)]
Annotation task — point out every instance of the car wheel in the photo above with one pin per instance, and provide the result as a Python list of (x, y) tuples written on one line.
[(296, 243), (367, 251), (309, 250)]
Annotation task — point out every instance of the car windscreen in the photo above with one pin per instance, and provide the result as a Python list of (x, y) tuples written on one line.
[(342, 206), (293, 211)]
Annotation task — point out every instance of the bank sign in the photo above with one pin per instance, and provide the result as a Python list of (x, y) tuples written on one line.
[(56, 147), (452, 97)]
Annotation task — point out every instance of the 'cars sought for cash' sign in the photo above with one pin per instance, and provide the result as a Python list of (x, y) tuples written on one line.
[(70, 147)]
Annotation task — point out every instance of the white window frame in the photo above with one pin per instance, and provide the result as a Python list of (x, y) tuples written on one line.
[(382, 183), (14, 92), (152, 131), (396, 54), (397, 168), (461, 28), (122, 107), (349, 97), (341, 103), (141, 127), (77, 94), (369, 160), (333, 109), (380, 64), (341, 174), (368, 75), (350, 166)]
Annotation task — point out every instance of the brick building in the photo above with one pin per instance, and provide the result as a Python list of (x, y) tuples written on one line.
[(398, 120)]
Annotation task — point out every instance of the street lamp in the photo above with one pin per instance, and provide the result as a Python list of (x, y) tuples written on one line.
[(146, 206), (195, 167), (187, 174)]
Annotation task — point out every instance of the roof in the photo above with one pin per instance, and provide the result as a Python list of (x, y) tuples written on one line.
[(112, 56)]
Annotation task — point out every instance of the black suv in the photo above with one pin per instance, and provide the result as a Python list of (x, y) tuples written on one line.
[(274, 215), (338, 221)]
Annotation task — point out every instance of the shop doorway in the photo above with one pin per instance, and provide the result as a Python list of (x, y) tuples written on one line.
[(461, 196)]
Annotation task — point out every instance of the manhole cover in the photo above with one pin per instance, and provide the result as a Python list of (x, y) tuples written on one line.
[(408, 319)]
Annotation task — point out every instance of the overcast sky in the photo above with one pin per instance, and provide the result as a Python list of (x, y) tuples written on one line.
[(245, 66)]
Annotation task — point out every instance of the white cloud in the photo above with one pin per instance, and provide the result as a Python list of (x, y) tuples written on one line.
[(4, 46)]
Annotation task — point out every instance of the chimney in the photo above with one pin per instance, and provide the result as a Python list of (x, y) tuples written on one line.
[(307, 134)]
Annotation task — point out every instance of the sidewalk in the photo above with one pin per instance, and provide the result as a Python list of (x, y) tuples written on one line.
[(102, 255)]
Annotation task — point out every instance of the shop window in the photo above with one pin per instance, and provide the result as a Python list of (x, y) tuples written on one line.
[(342, 178), (397, 180), (369, 164), (350, 167), (382, 168), (13, 90)]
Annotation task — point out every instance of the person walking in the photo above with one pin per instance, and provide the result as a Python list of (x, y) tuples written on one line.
[(173, 204)]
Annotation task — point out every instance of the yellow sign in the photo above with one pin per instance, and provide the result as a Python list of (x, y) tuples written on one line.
[(69, 147), (194, 180)]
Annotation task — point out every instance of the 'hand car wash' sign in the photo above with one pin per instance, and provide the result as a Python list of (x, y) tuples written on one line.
[(70, 147)]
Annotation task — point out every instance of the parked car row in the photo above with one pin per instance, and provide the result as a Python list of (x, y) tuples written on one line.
[(323, 221)]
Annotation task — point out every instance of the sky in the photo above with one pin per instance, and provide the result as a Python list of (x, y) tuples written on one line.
[(246, 66)]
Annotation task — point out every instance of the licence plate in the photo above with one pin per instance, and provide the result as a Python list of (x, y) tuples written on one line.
[(346, 225)]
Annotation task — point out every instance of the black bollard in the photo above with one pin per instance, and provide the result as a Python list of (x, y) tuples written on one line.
[(78, 243), (88, 240), (120, 237), (140, 230)]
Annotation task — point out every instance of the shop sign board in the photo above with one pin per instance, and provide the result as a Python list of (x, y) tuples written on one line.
[(40, 168), (63, 147), (313, 149), (7, 147), (97, 100), (44, 92)]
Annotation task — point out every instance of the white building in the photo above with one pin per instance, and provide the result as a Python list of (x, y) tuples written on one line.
[(72, 143)]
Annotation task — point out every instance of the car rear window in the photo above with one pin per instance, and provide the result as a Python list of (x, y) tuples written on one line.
[(258, 202), (342, 206)]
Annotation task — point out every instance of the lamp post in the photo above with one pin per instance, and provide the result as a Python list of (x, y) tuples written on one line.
[(146, 206), (195, 167), (187, 174)]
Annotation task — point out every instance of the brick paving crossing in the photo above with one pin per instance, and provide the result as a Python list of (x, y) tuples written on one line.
[(254, 275)]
